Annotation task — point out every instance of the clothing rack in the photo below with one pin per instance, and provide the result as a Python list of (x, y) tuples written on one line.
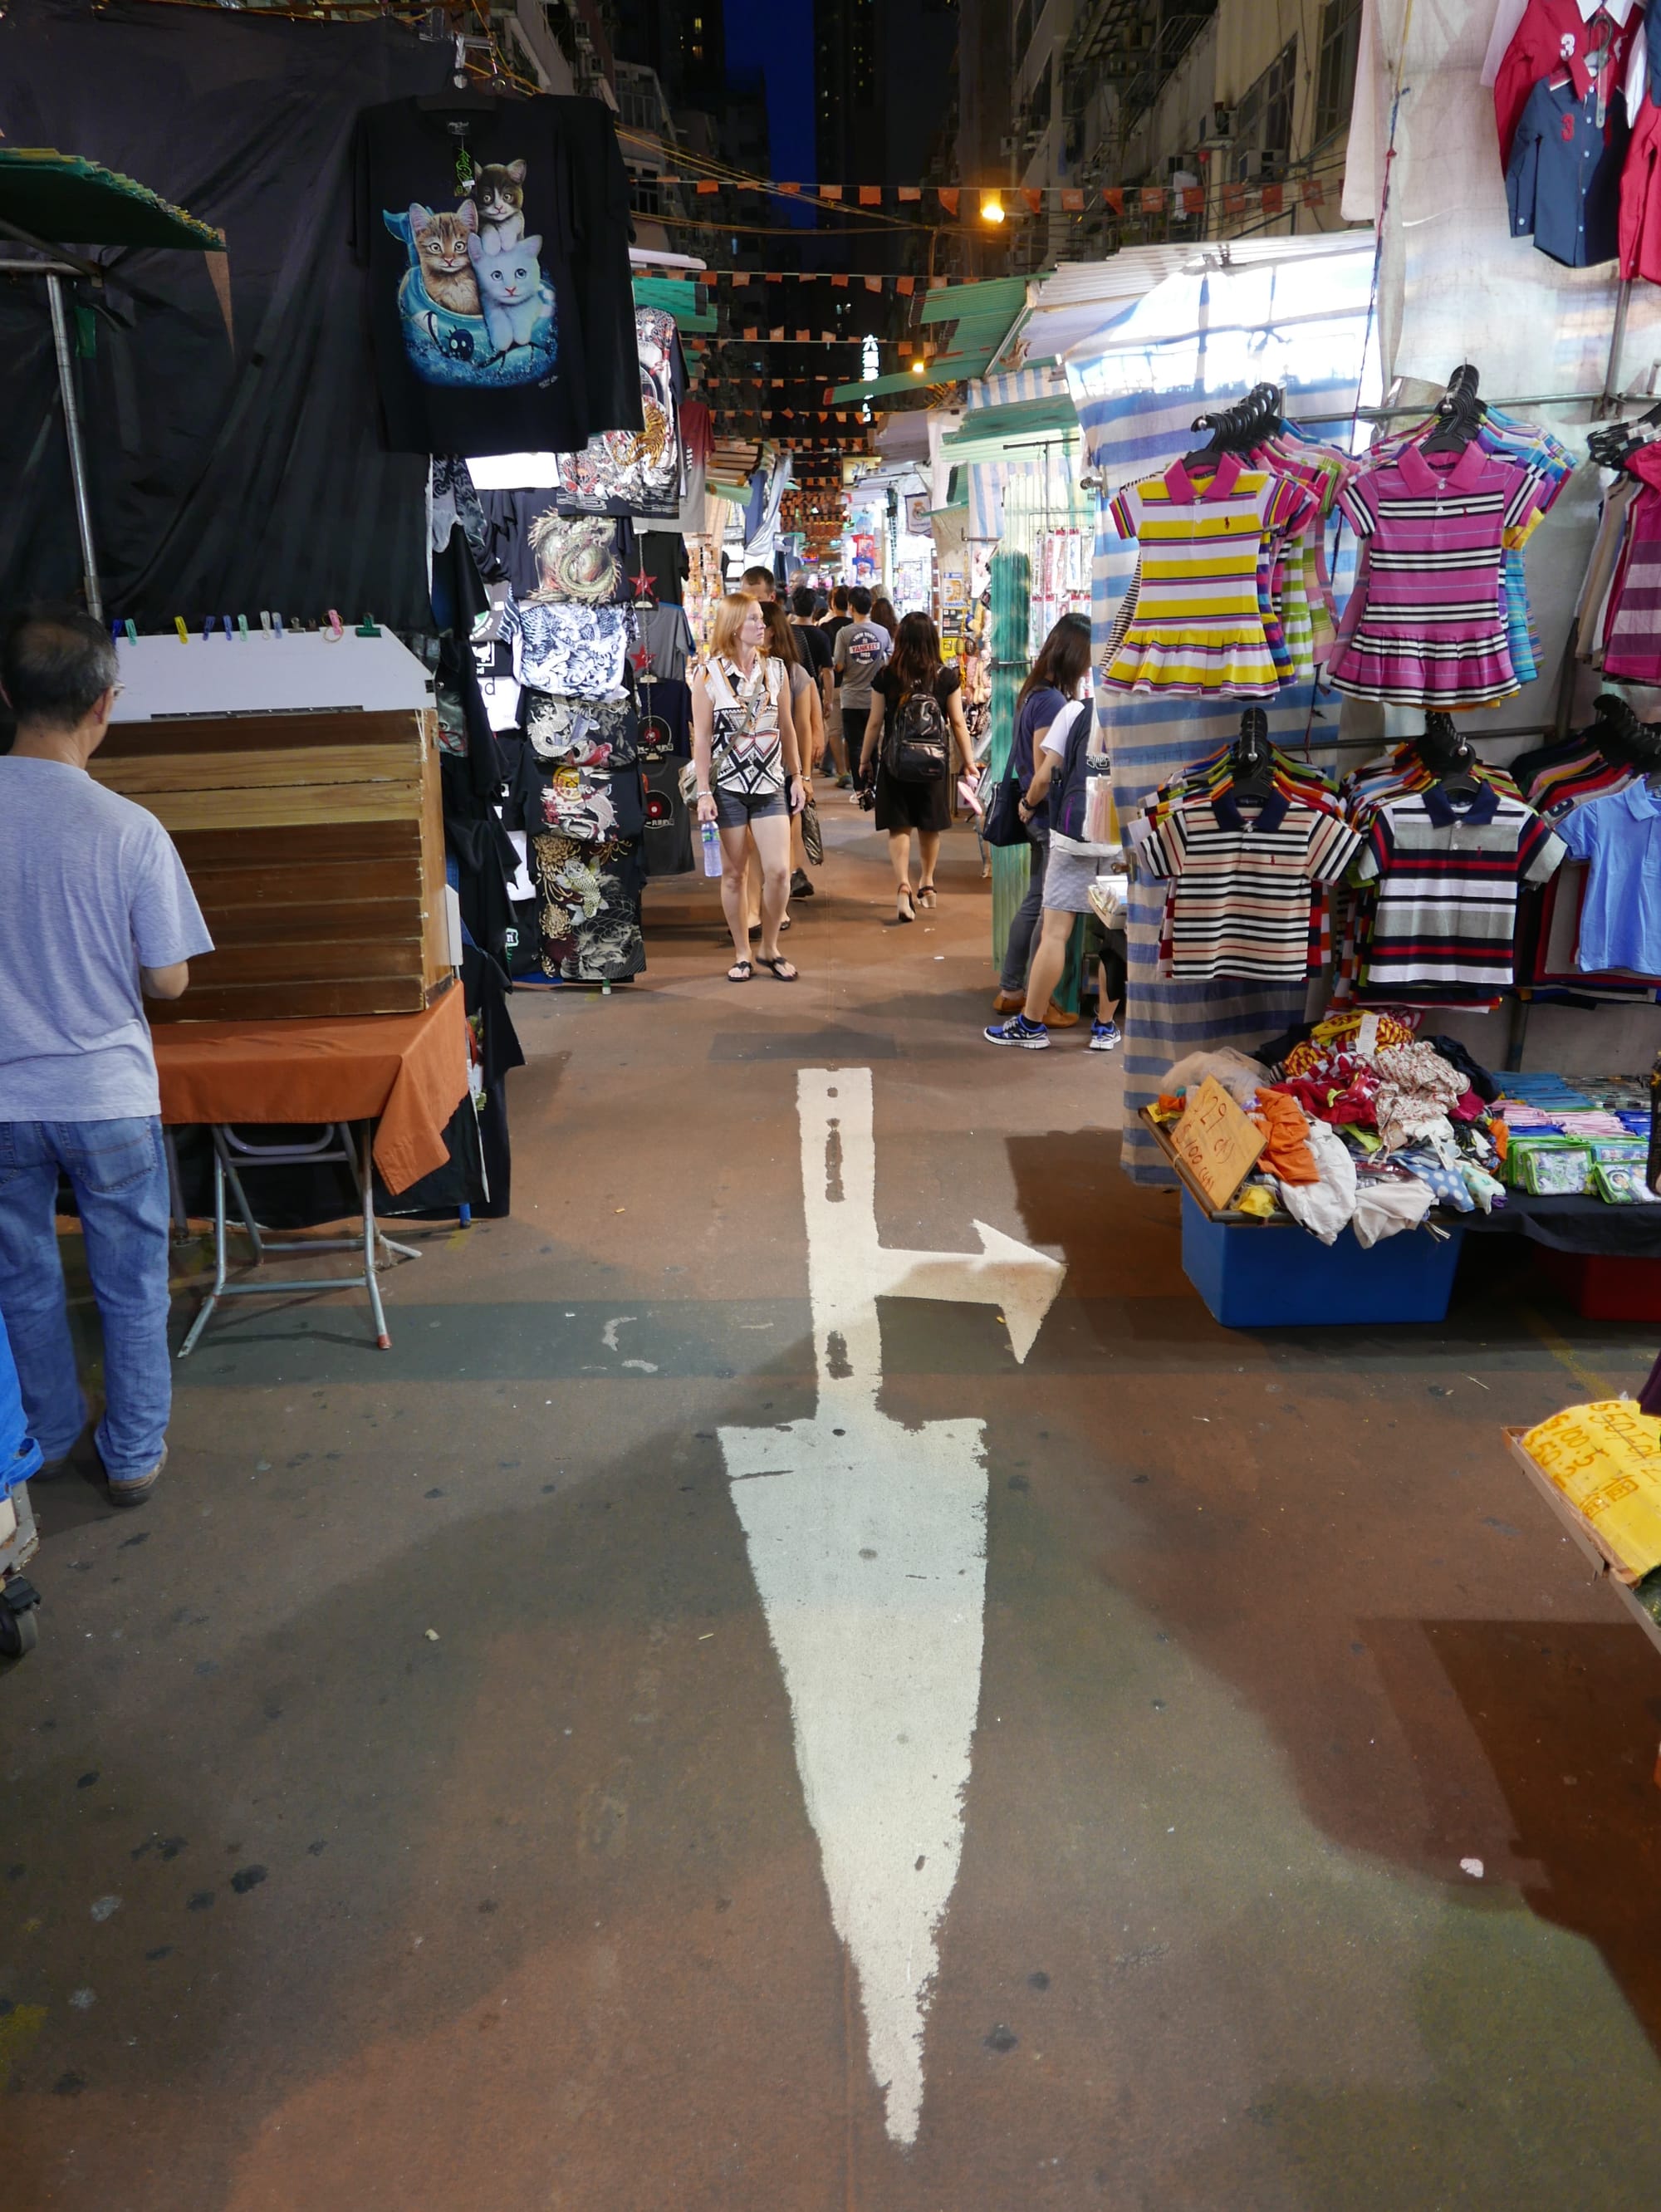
[(1534, 399)]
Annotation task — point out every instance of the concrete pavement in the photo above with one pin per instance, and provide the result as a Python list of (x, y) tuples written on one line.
[(405, 1807)]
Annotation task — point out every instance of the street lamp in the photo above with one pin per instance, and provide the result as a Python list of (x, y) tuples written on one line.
[(991, 208)]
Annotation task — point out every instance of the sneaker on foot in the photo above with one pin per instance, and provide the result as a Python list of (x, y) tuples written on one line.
[(1032, 1035), (1104, 1036)]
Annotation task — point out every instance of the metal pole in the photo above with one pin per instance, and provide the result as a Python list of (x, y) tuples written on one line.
[(1612, 377), (60, 338)]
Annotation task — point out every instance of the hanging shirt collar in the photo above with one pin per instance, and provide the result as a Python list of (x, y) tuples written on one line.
[(1424, 482), (1617, 10), (1443, 812), (1640, 802), (1185, 492), (1269, 815)]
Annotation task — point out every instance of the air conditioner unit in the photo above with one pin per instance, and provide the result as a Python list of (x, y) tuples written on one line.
[(1256, 165)]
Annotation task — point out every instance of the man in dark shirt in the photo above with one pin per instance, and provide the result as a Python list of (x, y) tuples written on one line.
[(830, 630)]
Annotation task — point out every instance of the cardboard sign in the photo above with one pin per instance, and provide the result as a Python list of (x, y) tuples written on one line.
[(1217, 1144)]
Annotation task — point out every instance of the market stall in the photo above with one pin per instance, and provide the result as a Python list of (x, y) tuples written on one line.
[(455, 276)]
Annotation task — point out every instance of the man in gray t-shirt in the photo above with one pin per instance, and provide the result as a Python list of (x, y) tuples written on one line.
[(98, 911), (861, 650)]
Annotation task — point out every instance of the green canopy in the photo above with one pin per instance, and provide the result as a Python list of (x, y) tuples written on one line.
[(677, 298), (64, 199), (987, 433)]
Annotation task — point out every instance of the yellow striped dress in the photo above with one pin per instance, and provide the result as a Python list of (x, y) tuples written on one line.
[(1196, 628)]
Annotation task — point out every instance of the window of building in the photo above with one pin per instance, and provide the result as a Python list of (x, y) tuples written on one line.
[(1334, 69), (1262, 121)]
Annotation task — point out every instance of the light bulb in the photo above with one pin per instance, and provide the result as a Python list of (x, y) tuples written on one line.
[(991, 208)]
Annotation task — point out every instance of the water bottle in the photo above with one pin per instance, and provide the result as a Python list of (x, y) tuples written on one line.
[(712, 849)]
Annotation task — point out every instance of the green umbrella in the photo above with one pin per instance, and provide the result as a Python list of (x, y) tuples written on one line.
[(47, 199)]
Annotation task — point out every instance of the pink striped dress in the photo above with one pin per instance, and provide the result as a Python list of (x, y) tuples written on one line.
[(1431, 629), (1631, 646)]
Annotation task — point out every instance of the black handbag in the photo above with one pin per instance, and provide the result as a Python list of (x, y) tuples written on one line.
[(1004, 824)]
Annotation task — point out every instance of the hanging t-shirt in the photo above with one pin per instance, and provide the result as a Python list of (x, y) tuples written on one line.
[(665, 720), (666, 843), (667, 636), (464, 223), (664, 563), (582, 652), (1620, 914), (1448, 874), (545, 553), (637, 471)]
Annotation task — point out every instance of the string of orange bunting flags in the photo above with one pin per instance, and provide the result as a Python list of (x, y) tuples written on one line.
[(1072, 199)]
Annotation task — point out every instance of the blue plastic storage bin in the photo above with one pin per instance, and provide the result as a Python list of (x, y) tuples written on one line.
[(1271, 1275), (20, 1455)]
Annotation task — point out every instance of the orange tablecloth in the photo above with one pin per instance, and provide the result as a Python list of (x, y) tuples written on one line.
[(408, 1072)]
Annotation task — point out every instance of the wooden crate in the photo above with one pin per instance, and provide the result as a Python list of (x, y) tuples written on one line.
[(315, 844)]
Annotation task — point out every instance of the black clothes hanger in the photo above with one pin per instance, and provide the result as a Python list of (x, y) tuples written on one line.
[(1450, 757), (1622, 739), (1458, 412), (1238, 429), (1251, 757)]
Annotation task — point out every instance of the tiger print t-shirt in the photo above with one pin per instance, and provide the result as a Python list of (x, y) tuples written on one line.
[(464, 227)]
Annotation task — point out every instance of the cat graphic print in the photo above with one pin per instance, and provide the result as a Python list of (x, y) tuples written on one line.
[(475, 307)]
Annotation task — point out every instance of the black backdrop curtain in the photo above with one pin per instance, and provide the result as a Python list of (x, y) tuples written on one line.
[(234, 459)]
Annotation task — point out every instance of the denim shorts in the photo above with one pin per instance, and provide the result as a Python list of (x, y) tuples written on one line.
[(736, 810)]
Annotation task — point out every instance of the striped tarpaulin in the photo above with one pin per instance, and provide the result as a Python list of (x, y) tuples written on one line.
[(988, 479), (1136, 409)]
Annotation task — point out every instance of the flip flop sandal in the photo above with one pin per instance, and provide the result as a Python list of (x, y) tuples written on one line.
[(779, 967), (741, 971)]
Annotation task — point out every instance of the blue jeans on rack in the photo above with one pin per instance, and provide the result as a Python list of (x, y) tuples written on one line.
[(119, 1172)]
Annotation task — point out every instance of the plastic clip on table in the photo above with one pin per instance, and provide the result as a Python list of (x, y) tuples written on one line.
[(334, 1143)]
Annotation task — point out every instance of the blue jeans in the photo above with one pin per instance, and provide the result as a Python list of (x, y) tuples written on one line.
[(118, 1173), (1023, 924)]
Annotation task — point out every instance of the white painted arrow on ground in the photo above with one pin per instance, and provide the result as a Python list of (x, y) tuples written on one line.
[(867, 1540)]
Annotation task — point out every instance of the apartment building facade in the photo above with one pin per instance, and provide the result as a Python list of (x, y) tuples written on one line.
[(1208, 100)]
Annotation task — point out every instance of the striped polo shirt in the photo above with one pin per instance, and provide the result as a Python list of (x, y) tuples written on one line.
[(1448, 875), (1432, 627), (1243, 880), (1198, 625)]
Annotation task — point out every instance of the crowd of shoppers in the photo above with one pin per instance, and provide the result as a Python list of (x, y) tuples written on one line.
[(787, 692)]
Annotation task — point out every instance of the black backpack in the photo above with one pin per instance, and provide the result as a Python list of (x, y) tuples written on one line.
[(916, 747)]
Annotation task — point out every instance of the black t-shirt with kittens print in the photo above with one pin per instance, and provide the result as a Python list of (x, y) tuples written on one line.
[(466, 223)]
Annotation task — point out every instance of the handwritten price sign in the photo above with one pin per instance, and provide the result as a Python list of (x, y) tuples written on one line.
[(1216, 1144)]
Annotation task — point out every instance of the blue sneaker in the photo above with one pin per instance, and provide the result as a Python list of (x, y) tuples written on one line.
[(1032, 1035), (1104, 1036)]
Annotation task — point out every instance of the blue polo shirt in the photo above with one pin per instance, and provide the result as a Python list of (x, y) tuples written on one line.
[(1620, 835)]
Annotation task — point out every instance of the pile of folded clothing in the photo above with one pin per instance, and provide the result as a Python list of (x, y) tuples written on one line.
[(1366, 1125)]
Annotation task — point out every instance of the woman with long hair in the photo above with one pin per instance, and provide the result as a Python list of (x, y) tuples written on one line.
[(917, 710), (884, 615), (809, 716), (749, 772), (1056, 676)]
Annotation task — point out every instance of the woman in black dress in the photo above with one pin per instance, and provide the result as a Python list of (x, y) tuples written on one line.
[(905, 805)]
